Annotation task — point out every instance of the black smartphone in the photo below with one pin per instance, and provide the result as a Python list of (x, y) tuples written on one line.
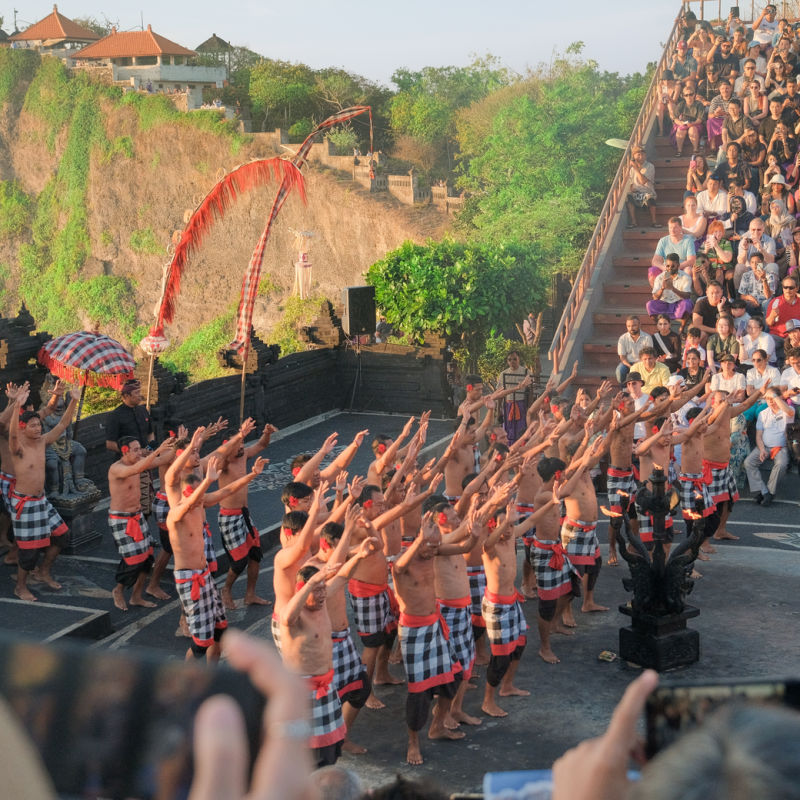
[(675, 708), (116, 725), (735, 12)]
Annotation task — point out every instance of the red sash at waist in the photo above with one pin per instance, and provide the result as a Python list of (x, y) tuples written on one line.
[(229, 512), (321, 683), (557, 559), (460, 602), (133, 528), (709, 465), (198, 581), (423, 620), (504, 599), (362, 589)]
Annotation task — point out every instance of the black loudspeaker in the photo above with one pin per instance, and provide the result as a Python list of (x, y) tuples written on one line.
[(359, 310)]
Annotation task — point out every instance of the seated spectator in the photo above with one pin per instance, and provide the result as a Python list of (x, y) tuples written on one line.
[(652, 372), (755, 241), (792, 338), (738, 188), (757, 286), (707, 310), (738, 219), (721, 342), (674, 242), (697, 174), (782, 145), (771, 445), (692, 223), (775, 82), (780, 191), (754, 52), (667, 344), (725, 60), (756, 377), (740, 317), (793, 252), (790, 379), (693, 336), (701, 42), (729, 380), (712, 202), (734, 126), (738, 42), (733, 167), (782, 309), (701, 274), (629, 346), (687, 115), (708, 83), (779, 225), (672, 291), (766, 128), (755, 107), (641, 187), (693, 371), (668, 93), (682, 65), (742, 84), (717, 249), (771, 169), (753, 154)]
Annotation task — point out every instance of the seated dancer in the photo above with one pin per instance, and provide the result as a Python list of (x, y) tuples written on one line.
[(37, 526), (125, 519), (424, 638)]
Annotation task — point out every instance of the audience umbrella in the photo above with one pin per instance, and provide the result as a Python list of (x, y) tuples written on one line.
[(87, 359)]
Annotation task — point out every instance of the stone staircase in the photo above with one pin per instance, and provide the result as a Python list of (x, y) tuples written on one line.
[(625, 288)]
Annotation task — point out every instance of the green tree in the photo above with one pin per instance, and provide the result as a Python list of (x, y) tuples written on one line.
[(461, 291), (281, 92), (535, 166), (102, 27)]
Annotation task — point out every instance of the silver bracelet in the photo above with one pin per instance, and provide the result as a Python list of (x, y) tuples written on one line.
[(299, 729)]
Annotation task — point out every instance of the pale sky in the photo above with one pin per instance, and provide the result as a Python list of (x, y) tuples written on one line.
[(373, 39)]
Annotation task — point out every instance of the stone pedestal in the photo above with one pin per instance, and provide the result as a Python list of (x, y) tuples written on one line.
[(659, 642), (76, 512)]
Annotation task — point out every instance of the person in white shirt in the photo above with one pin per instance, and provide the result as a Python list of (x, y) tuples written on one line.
[(629, 345), (729, 380), (771, 445), (754, 340), (760, 373), (790, 380), (754, 241), (641, 187), (634, 386), (672, 291), (712, 201)]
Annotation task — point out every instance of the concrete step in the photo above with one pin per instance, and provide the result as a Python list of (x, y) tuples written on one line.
[(608, 324), (626, 295)]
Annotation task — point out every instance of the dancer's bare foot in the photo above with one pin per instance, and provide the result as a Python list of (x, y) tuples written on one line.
[(11, 559), (375, 704), (119, 598), (612, 560), (562, 631), (492, 709), (183, 627), (471, 685), (707, 547), (702, 556), (590, 607), (723, 534), (467, 719), (529, 592), (157, 592), (255, 600), (353, 748), (481, 660), (513, 691), (438, 731), (695, 575), (227, 599), (140, 601), (548, 656), (24, 593), (569, 620), (414, 756), (450, 722)]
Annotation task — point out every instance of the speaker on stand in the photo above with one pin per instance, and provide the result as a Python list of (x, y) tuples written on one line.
[(358, 319)]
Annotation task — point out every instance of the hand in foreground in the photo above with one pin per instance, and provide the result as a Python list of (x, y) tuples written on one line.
[(597, 768)]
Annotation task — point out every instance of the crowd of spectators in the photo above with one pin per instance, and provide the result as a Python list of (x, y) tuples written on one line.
[(725, 278)]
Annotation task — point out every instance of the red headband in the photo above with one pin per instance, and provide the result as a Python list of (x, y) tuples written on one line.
[(546, 399), (293, 501), (470, 387), (171, 433), (287, 531), (23, 425), (179, 451), (381, 448), (367, 504), (493, 437), (558, 474), (553, 408), (656, 429), (498, 458), (124, 449)]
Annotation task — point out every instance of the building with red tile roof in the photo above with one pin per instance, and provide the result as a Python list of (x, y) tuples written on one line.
[(54, 31)]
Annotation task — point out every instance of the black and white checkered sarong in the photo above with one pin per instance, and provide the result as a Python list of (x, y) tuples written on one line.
[(579, 539), (553, 569), (327, 723), (201, 604), (34, 521), (161, 509), (426, 654), (462, 640), (695, 497), (477, 589), (275, 627), (131, 535), (348, 668), (505, 623), (621, 487), (722, 485), (373, 614)]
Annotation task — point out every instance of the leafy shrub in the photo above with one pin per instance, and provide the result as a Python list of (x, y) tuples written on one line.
[(344, 140), (300, 129), (196, 354), (16, 210), (144, 241)]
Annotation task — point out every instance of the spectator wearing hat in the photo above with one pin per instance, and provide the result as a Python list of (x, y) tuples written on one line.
[(754, 52), (791, 341), (653, 373), (641, 187), (682, 64), (778, 190), (687, 114), (771, 445), (629, 346), (672, 291), (712, 202), (729, 380)]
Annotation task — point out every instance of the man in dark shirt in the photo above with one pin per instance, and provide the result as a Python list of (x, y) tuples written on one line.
[(728, 63), (708, 308), (767, 126), (132, 419)]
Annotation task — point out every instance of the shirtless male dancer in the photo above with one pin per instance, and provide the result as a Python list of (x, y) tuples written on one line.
[(423, 641), (38, 528), (127, 523)]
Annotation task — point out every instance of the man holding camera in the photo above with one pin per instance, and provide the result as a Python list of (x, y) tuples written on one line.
[(755, 242)]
